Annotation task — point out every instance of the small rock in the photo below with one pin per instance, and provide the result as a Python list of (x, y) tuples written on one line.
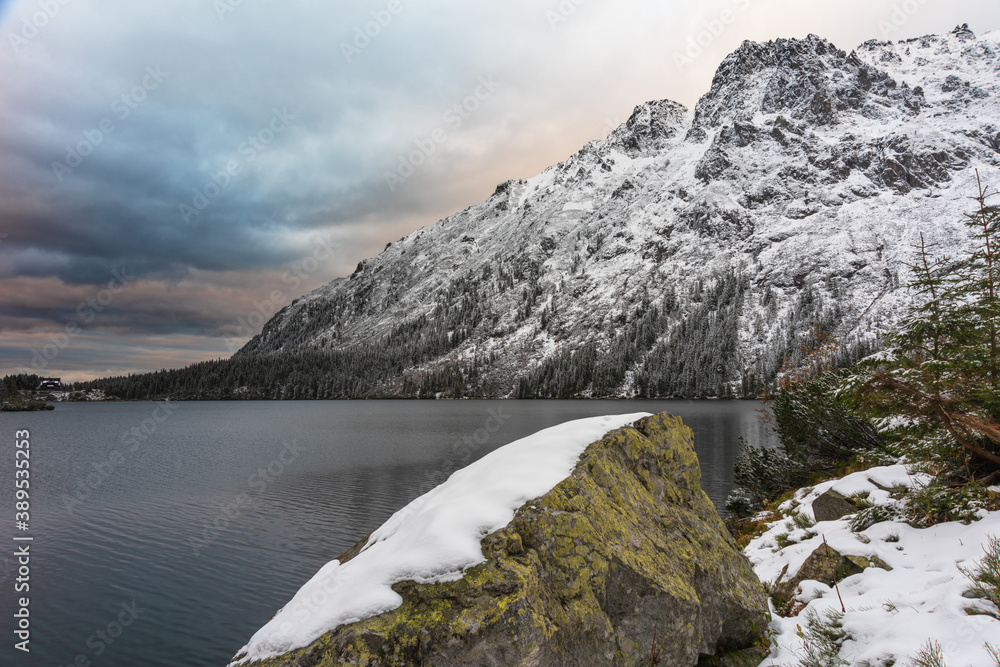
[(825, 565), (831, 506), (864, 562)]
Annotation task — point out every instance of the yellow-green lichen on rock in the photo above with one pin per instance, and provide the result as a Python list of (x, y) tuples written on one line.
[(624, 557)]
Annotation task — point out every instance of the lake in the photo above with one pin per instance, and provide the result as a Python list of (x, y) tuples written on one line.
[(168, 534)]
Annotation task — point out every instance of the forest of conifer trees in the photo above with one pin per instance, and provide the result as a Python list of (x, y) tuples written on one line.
[(676, 346)]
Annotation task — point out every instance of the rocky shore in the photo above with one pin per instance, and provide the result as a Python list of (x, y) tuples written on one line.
[(20, 404)]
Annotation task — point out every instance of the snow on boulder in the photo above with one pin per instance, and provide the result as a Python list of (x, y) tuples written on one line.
[(590, 543)]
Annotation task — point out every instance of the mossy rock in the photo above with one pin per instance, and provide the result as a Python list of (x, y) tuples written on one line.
[(826, 565), (625, 557)]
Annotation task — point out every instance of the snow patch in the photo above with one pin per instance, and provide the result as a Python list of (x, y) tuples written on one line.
[(890, 614)]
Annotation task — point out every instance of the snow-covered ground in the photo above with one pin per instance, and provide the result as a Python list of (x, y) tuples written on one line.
[(434, 538), (890, 615)]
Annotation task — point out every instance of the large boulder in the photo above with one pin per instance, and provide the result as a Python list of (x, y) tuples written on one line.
[(624, 561)]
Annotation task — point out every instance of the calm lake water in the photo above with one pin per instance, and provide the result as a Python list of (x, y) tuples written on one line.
[(173, 543)]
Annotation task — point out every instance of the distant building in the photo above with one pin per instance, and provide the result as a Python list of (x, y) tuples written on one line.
[(50, 383)]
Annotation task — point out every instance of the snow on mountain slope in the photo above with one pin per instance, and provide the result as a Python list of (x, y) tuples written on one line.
[(691, 243)]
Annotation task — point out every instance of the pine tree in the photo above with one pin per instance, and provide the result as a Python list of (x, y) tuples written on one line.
[(979, 317), (942, 371)]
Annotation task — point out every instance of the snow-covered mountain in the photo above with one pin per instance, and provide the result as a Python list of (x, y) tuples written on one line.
[(688, 252)]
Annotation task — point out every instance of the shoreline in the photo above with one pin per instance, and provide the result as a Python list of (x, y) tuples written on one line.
[(391, 398)]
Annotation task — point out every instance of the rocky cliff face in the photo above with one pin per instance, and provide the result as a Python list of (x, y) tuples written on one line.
[(690, 250), (624, 560)]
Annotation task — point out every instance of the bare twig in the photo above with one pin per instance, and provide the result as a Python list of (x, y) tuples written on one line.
[(836, 586)]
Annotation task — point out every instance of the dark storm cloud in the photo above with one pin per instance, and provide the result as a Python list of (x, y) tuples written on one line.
[(184, 141)]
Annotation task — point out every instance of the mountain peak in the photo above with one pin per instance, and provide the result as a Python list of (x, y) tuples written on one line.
[(650, 127), (963, 32), (808, 80)]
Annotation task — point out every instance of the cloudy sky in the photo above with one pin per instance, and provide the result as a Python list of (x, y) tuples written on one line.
[(168, 168)]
